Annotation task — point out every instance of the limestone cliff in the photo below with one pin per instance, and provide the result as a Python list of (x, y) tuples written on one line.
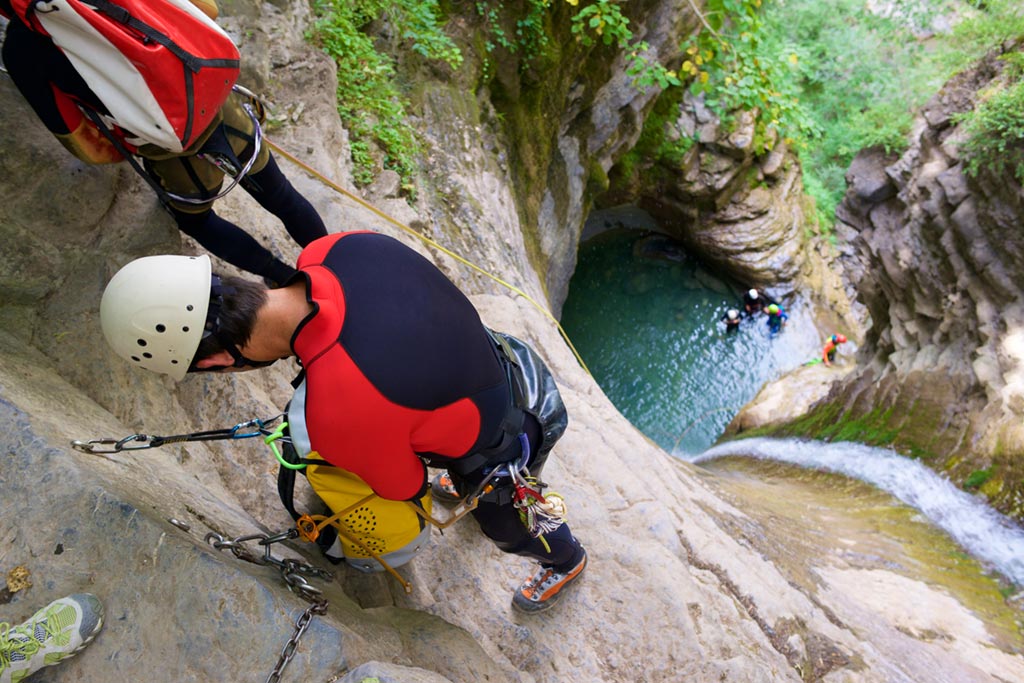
[(677, 588), (738, 208), (938, 264)]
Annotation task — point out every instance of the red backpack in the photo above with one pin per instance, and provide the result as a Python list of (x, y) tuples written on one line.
[(162, 68)]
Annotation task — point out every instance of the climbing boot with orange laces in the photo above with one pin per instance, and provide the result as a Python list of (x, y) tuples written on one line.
[(444, 489), (546, 587)]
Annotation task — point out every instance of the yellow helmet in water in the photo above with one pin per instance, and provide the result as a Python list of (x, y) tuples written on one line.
[(773, 309)]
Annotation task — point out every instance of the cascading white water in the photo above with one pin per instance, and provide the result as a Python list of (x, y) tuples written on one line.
[(983, 532)]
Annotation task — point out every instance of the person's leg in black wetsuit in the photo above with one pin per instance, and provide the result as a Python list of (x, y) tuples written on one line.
[(277, 195)]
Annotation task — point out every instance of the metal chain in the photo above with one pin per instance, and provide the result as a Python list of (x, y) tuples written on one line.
[(293, 572), (301, 624)]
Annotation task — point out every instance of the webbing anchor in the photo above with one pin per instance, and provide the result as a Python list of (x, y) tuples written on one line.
[(137, 442)]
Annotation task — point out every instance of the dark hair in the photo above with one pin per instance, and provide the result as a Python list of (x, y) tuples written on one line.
[(232, 315)]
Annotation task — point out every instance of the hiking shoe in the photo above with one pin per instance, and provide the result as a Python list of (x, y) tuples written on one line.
[(53, 634), (444, 488), (545, 587)]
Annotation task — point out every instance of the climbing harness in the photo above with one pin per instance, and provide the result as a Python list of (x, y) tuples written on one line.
[(539, 514), (426, 240), (216, 150), (533, 506), (226, 160)]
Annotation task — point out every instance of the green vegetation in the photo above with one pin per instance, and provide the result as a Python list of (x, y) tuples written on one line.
[(600, 22), (859, 76), (995, 128), (653, 143), (370, 103), (732, 65), (835, 77), (987, 25), (831, 423), (827, 78), (977, 478)]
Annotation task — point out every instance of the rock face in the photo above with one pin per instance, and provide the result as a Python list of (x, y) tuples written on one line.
[(550, 126), (740, 209), (939, 263), (675, 590)]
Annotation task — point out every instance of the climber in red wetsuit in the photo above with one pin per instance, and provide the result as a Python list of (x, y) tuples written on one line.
[(398, 370)]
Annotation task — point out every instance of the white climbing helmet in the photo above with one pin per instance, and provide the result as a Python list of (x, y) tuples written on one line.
[(752, 294), (153, 311), (732, 314)]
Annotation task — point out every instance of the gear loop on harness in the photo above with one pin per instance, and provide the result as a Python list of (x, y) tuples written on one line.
[(224, 163)]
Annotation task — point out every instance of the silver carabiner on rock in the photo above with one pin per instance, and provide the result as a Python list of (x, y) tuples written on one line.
[(118, 444)]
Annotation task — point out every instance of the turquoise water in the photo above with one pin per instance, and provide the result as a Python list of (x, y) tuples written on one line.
[(645, 319)]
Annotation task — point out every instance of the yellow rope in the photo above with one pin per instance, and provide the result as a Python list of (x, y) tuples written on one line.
[(337, 188)]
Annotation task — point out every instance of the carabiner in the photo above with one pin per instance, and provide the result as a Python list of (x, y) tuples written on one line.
[(258, 423), (90, 446), (119, 444)]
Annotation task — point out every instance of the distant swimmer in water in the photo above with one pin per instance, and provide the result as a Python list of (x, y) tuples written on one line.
[(731, 320), (828, 354), (755, 301), (777, 318)]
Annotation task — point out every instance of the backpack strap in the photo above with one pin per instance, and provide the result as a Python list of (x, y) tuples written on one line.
[(220, 146), (97, 120)]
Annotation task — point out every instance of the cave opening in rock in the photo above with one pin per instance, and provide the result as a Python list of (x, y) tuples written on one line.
[(645, 315)]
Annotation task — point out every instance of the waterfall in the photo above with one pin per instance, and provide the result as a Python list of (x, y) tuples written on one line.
[(983, 532)]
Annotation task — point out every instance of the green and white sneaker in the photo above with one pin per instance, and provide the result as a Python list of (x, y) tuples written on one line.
[(53, 634)]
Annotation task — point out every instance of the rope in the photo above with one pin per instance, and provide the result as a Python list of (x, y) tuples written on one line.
[(401, 226)]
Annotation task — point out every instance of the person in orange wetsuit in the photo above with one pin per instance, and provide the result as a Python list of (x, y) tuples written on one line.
[(828, 354)]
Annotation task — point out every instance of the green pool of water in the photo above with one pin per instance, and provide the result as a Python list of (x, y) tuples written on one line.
[(645, 318)]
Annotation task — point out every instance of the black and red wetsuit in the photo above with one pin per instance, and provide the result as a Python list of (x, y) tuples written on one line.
[(399, 367), (398, 363)]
